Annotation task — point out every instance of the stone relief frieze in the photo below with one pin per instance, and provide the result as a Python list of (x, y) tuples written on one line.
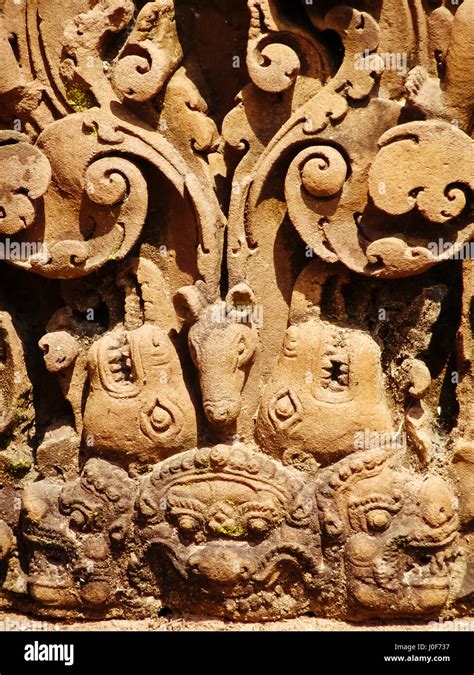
[(236, 335)]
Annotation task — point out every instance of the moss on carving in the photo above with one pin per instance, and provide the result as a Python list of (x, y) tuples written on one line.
[(79, 100), (236, 530), (113, 254), (17, 469), (14, 466), (21, 420), (93, 130)]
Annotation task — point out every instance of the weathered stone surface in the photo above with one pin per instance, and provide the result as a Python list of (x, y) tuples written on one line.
[(236, 308)]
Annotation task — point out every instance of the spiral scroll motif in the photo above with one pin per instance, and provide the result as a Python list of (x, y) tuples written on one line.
[(273, 66), (324, 171), (316, 178)]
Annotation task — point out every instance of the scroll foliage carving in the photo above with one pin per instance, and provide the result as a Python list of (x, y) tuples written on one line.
[(236, 328)]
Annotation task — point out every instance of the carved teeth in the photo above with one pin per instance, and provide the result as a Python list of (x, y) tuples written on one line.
[(335, 368), (252, 603), (437, 565), (326, 364), (335, 386), (119, 359)]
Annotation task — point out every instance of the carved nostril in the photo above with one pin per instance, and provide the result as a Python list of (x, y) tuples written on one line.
[(437, 502), (222, 412), (69, 253)]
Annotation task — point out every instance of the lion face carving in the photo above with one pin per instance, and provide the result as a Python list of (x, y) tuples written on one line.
[(231, 533), (399, 531)]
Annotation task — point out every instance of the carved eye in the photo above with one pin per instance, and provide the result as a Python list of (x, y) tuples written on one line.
[(161, 419), (375, 512), (188, 524), (242, 347), (378, 520), (258, 525), (284, 408)]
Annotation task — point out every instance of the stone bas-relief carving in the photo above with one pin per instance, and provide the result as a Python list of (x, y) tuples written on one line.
[(237, 537), (328, 378), (399, 533), (236, 294), (137, 403), (74, 535)]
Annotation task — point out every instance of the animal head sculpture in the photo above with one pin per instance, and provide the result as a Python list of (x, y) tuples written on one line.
[(328, 383), (398, 532), (337, 159), (223, 341), (101, 500), (231, 533), (327, 386), (138, 404)]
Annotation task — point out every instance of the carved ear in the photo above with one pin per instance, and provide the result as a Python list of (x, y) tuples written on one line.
[(246, 348), (190, 302), (241, 300), (240, 294), (309, 289)]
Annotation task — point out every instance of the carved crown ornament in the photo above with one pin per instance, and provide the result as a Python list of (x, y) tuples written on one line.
[(236, 338)]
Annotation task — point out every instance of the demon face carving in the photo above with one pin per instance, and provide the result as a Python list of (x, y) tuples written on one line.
[(75, 534), (231, 533), (398, 532)]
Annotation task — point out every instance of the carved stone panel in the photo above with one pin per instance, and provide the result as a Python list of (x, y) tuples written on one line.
[(236, 308)]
